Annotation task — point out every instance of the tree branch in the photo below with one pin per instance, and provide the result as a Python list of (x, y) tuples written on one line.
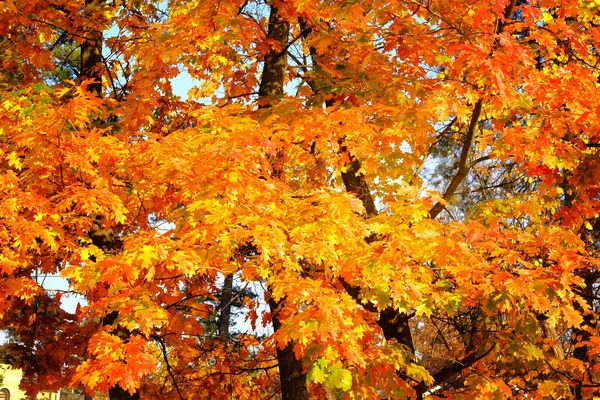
[(169, 369), (451, 370), (354, 292), (463, 164)]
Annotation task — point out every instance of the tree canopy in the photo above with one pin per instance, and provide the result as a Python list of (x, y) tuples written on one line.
[(394, 198)]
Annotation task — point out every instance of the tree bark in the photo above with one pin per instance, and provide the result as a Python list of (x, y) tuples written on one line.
[(118, 393), (91, 51), (291, 375), (588, 325), (275, 64), (358, 185), (225, 308)]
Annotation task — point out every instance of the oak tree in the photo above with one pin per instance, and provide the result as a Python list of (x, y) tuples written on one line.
[(392, 198)]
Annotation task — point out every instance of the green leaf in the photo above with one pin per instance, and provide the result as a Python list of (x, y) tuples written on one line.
[(316, 372), (339, 378)]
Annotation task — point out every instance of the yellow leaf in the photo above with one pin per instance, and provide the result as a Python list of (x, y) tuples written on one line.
[(148, 254), (14, 160), (546, 17)]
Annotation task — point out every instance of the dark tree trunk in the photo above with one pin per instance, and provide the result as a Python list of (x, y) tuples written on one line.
[(583, 332), (91, 51), (225, 308), (293, 380), (358, 185), (118, 393), (275, 65)]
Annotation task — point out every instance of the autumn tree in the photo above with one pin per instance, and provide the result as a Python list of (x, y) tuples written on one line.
[(411, 187)]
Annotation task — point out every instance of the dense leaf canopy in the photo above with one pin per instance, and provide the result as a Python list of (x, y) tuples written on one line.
[(354, 199)]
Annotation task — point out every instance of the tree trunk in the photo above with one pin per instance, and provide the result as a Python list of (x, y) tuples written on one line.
[(275, 65), (225, 308), (118, 393), (588, 325), (292, 379), (358, 185), (91, 51)]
